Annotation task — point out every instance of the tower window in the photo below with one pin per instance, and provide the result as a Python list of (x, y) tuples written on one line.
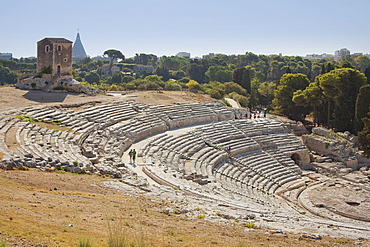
[(59, 48), (47, 48)]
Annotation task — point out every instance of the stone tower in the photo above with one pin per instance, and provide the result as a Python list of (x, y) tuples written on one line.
[(78, 50), (55, 53)]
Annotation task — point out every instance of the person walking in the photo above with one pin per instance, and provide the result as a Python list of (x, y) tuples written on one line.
[(130, 154), (228, 150), (134, 155)]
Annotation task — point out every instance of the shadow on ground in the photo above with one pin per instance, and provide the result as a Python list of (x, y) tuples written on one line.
[(43, 97)]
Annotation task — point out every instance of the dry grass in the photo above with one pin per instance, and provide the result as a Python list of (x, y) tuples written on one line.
[(62, 209)]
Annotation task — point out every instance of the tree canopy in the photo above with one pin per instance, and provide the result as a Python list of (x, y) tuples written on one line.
[(342, 86), (113, 54), (283, 104)]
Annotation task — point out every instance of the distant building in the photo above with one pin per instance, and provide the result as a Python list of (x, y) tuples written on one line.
[(357, 54), (78, 50), (6, 56), (99, 58), (210, 55), (318, 56), (183, 54), (108, 70), (339, 54), (56, 53), (140, 68)]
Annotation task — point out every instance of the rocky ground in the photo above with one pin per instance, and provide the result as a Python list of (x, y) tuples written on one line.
[(61, 209)]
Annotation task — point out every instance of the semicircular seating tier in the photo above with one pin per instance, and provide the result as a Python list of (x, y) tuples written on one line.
[(259, 157), (94, 138)]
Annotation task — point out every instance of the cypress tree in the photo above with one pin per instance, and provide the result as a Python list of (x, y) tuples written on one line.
[(364, 136), (242, 77), (246, 80), (367, 74), (323, 69), (329, 67), (362, 106)]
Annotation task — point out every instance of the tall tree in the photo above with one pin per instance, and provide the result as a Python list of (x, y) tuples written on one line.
[(341, 86), (234, 87), (7, 76), (196, 72), (242, 77), (113, 55), (362, 106), (265, 92), (329, 67), (323, 69), (311, 96), (362, 62), (117, 77), (164, 72), (367, 74), (92, 77), (283, 104), (288, 70), (364, 136), (346, 64)]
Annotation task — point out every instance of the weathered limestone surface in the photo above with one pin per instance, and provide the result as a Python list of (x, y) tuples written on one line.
[(338, 146)]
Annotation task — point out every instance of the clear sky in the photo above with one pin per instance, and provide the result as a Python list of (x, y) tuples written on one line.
[(165, 27)]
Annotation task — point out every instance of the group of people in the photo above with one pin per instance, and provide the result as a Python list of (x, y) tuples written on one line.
[(132, 155), (256, 114)]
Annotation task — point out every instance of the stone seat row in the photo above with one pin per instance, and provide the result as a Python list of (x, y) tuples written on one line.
[(139, 127), (263, 169), (6, 124), (257, 168), (244, 179), (103, 113), (219, 132), (264, 163), (44, 143)]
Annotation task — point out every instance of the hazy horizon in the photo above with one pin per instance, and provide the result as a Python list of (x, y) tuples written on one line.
[(166, 27)]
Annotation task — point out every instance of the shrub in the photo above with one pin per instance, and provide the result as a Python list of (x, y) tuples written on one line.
[(250, 225), (152, 85), (193, 85), (130, 86), (113, 88), (172, 86), (3, 243), (142, 87), (243, 100), (214, 93), (226, 103)]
